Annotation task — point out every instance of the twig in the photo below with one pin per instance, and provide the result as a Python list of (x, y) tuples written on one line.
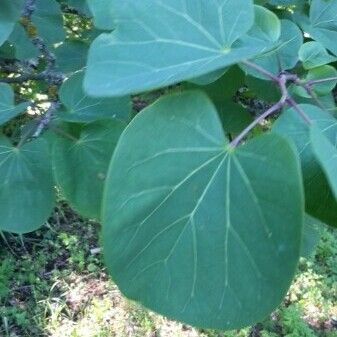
[(261, 70), (322, 80), (281, 81), (236, 141), (46, 118), (47, 76)]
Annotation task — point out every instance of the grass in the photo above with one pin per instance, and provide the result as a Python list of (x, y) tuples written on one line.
[(53, 283)]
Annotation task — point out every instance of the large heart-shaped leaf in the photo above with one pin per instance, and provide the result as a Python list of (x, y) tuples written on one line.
[(183, 40), (320, 201), (79, 107), (188, 220), (7, 108), (26, 186), (9, 13), (80, 166)]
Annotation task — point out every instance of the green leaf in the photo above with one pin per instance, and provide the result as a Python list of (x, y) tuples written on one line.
[(80, 165), (48, 20), (208, 78), (233, 116), (26, 189), (326, 155), (320, 202), (7, 108), (318, 73), (102, 12), (81, 108), (311, 234), (313, 55), (285, 53), (24, 49), (184, 40), (9, 14), (196, 230), (323, 23), (267, 25), (71, 56)]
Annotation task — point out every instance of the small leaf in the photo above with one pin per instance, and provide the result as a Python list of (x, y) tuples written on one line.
[(103, 14), (318, 73), (267, 25), (48, 19), (284, 55), (24, 49), (81, 108), (26, 189), (80, 166), (188, 220), (323, 23), (313, 55), (7, 108), (71, 56), (9, 14)]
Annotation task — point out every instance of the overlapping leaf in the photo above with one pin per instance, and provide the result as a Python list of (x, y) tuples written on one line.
[(157, 43), (81, 165), (222, 92), (9, 13), (313, 54), (103, 14), (326, 154), (196, 230), (320, 201), (323, 23), (48, 19), (284, 55), (8, 109), (26, 186), (71, 56), (79, 107)]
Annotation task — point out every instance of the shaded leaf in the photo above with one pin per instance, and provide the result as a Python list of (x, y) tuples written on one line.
[(26, 189), (80, 166)]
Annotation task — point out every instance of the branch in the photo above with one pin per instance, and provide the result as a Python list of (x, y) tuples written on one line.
[(282, 79), (262, 71), (51, 77), (38, 42), (236, 141), (322, 80)]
